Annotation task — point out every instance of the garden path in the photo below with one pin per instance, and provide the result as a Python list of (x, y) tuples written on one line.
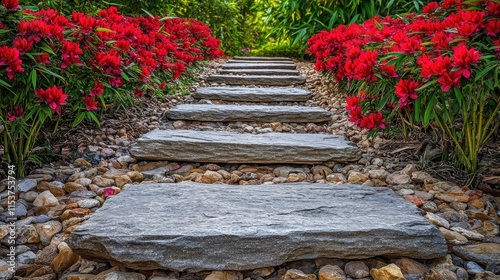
[(197, 227)]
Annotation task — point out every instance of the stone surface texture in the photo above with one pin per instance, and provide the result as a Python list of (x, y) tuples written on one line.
[(252, 94), (261, 80), (229, 112), (271, 72), (229, 147), (195, 227), (269, 65), (262, 58)]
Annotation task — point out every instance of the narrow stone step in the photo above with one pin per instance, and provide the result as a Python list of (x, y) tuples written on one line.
[(262, 58), (232, 61), (195, 227), (252, 94), (270, 72), (258, 66), (230, 147), (257, 80), (248, 113)]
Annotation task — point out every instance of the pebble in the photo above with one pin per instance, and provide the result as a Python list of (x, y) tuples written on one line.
[(398, 179), (357, 269), (453, 237), (473, 268), (26, 258), (437, 220), (388, 272), (331, 272), (88, 203), (295, 274), (46, 199), (26, 185)]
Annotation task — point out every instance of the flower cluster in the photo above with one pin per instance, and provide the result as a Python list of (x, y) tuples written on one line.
[(133, 54), (395, 58), (49, 62)]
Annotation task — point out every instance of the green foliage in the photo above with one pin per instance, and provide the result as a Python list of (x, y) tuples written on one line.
[(284, 49), (297, 20)]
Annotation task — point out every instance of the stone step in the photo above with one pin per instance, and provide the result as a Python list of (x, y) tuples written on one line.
[(257, 80), (195, 227), (232, 61), (248, 113), (262, 58), (252, 94), (258, 66), (270, 72), (230, 147)]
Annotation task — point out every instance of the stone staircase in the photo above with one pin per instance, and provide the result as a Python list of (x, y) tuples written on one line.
[(196, 227)]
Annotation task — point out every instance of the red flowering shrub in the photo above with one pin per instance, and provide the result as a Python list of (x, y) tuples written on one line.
[(74, 65), (439, 67)]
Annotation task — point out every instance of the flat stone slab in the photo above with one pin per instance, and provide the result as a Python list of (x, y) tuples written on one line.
[(259, 66), (262, 58), (196, 227), (250, 113), (257, 80), (271, 72), (230, 147), (273, 94), (261, 61)]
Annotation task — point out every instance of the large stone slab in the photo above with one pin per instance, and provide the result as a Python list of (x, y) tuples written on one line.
[(264, 94), (271, 72), (257, 113), (195, 227), (257, 80), (258, 66), (230, 147), (262, 58), (261, 61)]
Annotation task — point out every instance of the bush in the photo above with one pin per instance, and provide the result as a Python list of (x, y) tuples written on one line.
[(273, 49), (436, 70), (55, 67)]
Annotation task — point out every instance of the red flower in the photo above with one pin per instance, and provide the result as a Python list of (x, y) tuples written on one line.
[(406, 89), (448, 80), (388, 70), (90, 103), (70, 54), (355, 115), (437, 67), (493, 8), (138, 92), (53, 97), (10, 57), (11, 5), (430, 8), (23, 45), (97, 90), (163, 85), (352, 102), (492, 27), (372, 121), (42, 58), (463, 58), (17, 113)]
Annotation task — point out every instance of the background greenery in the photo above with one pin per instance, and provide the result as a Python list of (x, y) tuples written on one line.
[(253, 27)]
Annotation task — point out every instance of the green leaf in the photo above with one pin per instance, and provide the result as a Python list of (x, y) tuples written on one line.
[(426, 85), (484, 72), (79, 118), (102, 29), (33, 78), (429, 111)]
